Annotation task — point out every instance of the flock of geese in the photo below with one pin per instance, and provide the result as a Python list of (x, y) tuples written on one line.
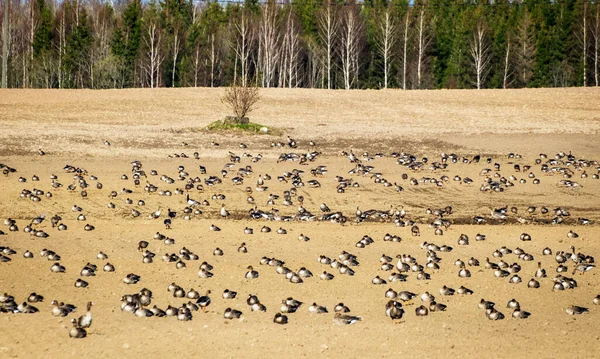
[(267, 208)]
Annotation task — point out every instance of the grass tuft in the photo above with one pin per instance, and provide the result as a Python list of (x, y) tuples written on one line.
[(249, 128)]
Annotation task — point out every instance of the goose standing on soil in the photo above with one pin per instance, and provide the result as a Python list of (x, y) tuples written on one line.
[(204, 301), (224, 212), (394, 311), (85, 321), (190, 201)]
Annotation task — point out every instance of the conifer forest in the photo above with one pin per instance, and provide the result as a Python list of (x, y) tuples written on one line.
[(373, 44)]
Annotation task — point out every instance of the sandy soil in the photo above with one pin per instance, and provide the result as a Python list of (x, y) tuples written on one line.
[(145, 125)]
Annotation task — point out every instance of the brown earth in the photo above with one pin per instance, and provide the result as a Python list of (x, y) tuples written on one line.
[(149, 125)]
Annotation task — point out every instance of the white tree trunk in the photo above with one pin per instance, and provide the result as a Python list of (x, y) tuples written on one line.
[(328, 26), (421, 46), (5, 42), (269, 42), (506, 62), (585, 45), (61, 48), (243, 45), (404, 50), (176, 43), (349, 47), (386, 42), (196, 64), (289, 69), (596, 34), (153, 54), (212, 60), (480, 53)]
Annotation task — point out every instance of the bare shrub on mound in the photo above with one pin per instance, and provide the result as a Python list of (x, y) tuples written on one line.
[(241, 99)]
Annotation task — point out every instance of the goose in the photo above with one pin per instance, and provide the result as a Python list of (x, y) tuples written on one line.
[(131, 278), (485, 304), (421, 311), (436, 307), (59, 310), (108, 267), (77, 332), (493, 314), (57, 268), (204, 301), (35, 298), (184, 314), (157, 312), (512, 304), (574, 309), (280, 319), (427, 297), (463, 272), (344, 319), (229, 294), (341, 308), (391, 294), (326, 276), (447, 291), (251, 273), (533, 284), (85, 321), (224, 212), (394, 311), (190, 201), (232, 314), (242, 248), (540, 272), (520, 314), (317, 309), (582, 268), (80, 283)]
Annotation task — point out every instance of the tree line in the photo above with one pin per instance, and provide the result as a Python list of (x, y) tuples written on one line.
[(416, 44)]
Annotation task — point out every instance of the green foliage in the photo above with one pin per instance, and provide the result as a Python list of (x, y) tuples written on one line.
[(77, 51), (126, 40), (42, 38)]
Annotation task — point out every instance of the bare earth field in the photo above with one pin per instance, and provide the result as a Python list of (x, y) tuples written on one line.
[(151, 126)]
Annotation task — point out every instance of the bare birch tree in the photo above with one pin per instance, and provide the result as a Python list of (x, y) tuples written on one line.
[(596, 37), (480, 52), (585, 42), (405, 47), (269, 39), (423, 42), (176, 48), (328, 27), (386, 41), (61, 46), (291, 53), (507, 70), (243, 45), (5, 43), (349, 45), (152, 39)]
